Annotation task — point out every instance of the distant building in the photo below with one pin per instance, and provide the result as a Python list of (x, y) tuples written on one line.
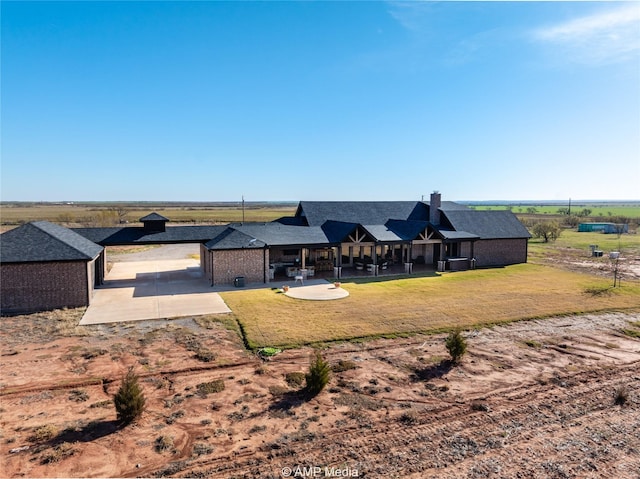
[(607, 228)]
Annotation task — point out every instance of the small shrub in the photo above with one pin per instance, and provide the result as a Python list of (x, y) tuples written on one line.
[(277, 390), (94, 353), (343, 365), (78, 395), (205, 355), (456, 345), (175, 415), (409, 417), (210, 387), (533, 344), (163, 443), (129, 400), (58, 453), (479, 406), (260, 370), (43, 433), (257, 428), (621, 396), (200, 448), (295, 379), (319, 374)]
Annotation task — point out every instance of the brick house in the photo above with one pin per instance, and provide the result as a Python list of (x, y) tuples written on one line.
[(46, 266), (347, 236)]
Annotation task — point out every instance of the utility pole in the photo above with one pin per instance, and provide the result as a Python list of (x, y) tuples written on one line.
[(243, 209), (569, 207)]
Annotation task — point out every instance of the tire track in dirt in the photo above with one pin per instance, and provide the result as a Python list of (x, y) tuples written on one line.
[(445, 436)]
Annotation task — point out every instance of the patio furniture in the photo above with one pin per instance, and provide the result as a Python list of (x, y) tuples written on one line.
[(299, 278)]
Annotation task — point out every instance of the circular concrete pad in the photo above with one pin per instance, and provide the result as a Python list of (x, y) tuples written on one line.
[(317, 292)]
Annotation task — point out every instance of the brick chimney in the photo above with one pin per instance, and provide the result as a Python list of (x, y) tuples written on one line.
[(434, 208)]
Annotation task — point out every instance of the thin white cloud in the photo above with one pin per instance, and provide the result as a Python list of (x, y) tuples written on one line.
[(606, 37)]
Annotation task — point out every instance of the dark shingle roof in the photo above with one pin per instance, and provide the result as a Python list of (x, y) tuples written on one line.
[(361, 212), (153, 217), (407, 230), (446, 234), (452, 206), (44, 241), (488, 224), (231, 238), (381, 233), (138, 235), (337, 231), (277, 234), (237, 236)]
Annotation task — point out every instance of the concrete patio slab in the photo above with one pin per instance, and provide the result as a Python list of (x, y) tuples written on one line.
[(142, 290), (317, 292)]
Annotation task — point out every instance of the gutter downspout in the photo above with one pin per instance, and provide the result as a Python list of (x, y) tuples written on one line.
[(264, 264), (211, 266)]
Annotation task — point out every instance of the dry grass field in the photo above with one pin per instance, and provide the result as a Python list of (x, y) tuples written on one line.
[(390, 308), (103, 214)]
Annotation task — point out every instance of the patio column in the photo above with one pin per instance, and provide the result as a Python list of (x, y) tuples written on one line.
[(374, 256), (304, 256)]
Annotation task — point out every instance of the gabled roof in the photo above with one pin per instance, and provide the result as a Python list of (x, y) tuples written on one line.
[(259, 235), (381, 233), (41, 241), (338, 231), (231, 238), (153, 217), (277, 234), (360, 212), (487, 224), (407, 230)]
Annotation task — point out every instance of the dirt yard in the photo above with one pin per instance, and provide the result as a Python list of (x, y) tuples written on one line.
[(533, 399)]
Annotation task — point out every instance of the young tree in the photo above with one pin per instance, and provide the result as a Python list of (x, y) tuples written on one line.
[(318, 376), (547, 230), (129, 400), (456, 345)]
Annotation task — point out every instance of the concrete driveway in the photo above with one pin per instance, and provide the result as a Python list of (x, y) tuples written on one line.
[(141, 290)]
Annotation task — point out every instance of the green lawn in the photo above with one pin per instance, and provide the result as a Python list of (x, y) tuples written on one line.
[(425, 304), (576, 245)]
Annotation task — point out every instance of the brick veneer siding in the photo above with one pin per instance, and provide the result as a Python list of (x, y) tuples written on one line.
[(253, 264), (500, 252), (29, 287)]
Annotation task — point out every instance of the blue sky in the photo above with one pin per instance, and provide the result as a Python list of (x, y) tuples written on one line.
[(209, 101)]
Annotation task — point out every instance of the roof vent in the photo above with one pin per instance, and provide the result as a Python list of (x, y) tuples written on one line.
[(154, 223)]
